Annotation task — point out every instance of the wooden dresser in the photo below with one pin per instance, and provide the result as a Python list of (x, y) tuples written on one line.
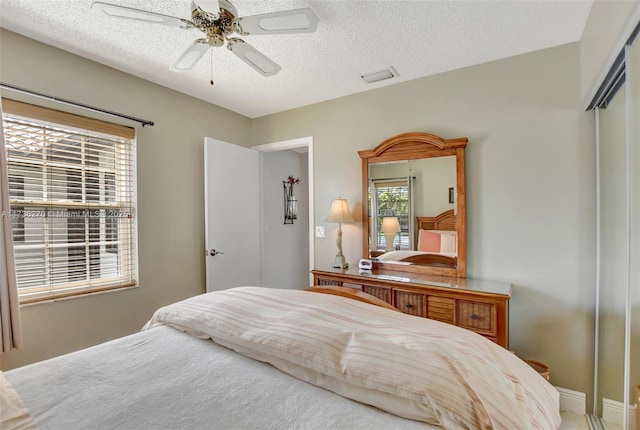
[(477, 305)]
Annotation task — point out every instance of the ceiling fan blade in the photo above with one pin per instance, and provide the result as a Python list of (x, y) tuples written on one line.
[(117, 11), (250, 55), (211, 6), (191, 56), (285, 22)]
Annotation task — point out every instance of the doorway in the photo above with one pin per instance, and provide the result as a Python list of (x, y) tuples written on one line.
[(287, 249)]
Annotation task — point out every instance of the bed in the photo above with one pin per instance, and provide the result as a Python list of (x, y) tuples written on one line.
[(436, 245), (252, 357)]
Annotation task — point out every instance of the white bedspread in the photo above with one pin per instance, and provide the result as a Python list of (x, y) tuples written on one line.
[(13, 414), (413, 367), (166, 379)]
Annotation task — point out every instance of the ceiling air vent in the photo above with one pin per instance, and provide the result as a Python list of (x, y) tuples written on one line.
[(380, 75)]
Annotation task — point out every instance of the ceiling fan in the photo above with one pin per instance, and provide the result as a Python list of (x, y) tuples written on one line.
[(218, 20)]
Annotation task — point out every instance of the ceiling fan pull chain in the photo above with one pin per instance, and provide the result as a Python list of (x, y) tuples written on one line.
[(211, 57)]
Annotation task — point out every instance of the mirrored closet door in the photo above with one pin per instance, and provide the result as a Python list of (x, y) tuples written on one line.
[(633, 59), (617, 370)]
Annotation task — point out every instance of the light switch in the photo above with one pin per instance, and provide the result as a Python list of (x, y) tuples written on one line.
[(319, 231)]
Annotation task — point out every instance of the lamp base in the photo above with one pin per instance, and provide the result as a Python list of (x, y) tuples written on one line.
[(389, 238), (340, 262)]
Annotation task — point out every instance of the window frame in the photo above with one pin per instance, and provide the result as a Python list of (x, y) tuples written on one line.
[(405, 235), (124, 172)]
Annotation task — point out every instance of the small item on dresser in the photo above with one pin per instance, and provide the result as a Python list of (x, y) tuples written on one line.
[(365, 264), (364, 272)]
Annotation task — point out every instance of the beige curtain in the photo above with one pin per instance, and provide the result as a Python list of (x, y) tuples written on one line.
[(10, 332)]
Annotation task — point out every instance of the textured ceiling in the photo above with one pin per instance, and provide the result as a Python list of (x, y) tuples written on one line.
[(354, 37)]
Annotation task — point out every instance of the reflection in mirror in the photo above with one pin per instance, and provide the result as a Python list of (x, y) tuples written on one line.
[(390, 202), (406, 190), (418, 180), (634, 317)]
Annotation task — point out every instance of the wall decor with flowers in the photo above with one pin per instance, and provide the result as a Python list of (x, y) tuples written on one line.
[(290, 201)]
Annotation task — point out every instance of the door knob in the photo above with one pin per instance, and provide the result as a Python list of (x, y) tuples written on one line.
[(213, 253)]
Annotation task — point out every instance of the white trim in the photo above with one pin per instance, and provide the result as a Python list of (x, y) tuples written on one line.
[(285, 144), (596, 330), (572, 401), (630, 25), (595, 423), (627, 316), (613, 413), (300, 142)]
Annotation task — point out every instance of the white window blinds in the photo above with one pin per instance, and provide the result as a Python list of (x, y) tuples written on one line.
[(72, 194), (391, 198)]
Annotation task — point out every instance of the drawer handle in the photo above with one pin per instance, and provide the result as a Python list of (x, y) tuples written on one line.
[(474, 316), (409, 305)]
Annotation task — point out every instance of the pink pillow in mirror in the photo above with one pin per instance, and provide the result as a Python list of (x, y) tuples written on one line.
[(428, 241)]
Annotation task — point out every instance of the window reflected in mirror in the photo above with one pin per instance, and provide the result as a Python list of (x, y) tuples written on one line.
[(407, 190), (389, 198)]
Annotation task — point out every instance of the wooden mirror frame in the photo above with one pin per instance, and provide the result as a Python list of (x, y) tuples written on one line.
[(413, 146)]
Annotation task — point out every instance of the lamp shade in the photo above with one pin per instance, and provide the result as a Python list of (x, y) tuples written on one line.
[(340, 211), (390, 224)]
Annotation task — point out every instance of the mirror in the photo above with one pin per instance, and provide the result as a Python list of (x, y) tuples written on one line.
[(414, 186)]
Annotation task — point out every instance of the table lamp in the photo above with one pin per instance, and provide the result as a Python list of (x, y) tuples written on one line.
[(339, 213), (390, 226)]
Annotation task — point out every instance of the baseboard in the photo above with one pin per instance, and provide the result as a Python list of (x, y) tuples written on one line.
[(572, 401), (612, 413)]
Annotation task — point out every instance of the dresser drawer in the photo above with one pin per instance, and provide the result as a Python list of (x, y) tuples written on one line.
[(441, 309), (380, 292), (477, 316), (411, 303)]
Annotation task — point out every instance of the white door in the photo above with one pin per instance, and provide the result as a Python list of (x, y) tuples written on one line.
[(232, 218)]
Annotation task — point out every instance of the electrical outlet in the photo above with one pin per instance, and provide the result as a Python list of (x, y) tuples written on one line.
[(319, 231)]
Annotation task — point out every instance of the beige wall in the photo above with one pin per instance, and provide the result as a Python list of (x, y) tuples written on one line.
[(530, 185), (170, 194), (607, 22)]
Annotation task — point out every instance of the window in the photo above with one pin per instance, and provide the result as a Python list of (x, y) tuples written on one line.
[(16, 188), (72, 194), (390, 198)]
